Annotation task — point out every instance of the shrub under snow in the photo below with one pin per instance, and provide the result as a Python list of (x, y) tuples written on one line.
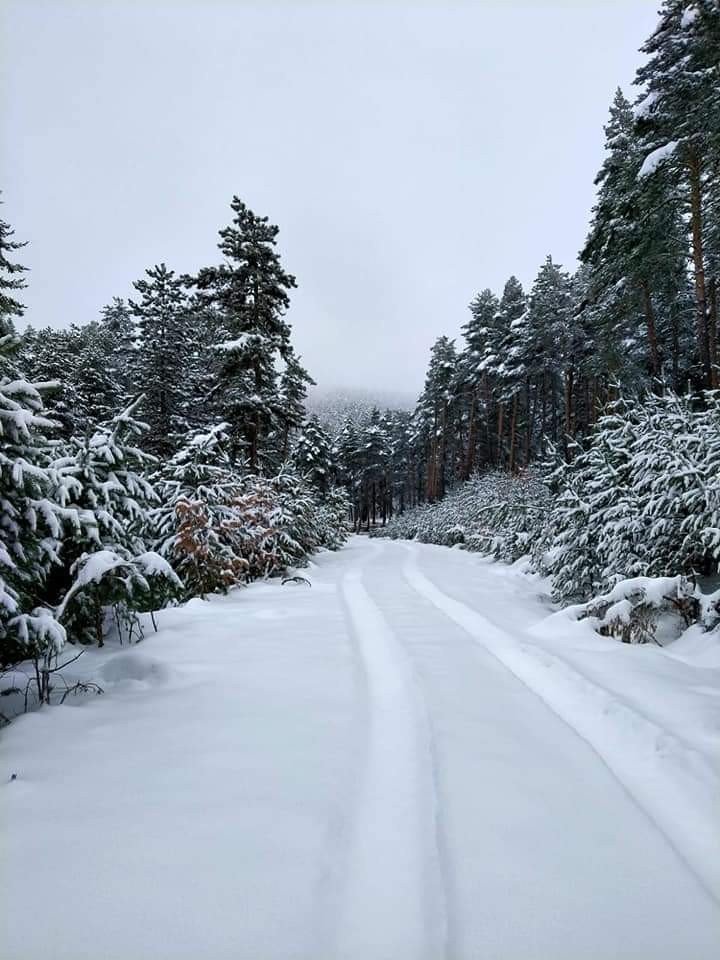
[(494, 513)]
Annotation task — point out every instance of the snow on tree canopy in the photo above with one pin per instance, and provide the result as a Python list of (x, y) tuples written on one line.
[(653, 160)]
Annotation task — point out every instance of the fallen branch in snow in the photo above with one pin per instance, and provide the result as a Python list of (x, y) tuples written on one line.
[(82, 686), (296, 580)]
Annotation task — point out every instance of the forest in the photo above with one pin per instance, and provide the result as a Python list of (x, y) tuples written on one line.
[(162, 451)]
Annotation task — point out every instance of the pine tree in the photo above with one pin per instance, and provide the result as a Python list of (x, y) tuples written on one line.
[(32, 512), (292, 393), (436, 411), (252, 291), (11, 279), (635, 285), (116, 318), (163, 355), (480, 334), (110, 495), (678, 119), (98, 395), (312, 456), (504, 365)]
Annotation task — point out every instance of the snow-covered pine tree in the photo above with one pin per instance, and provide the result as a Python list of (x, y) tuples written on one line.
[(163, 356), (116, 318), (252, 291), (678, 121), (504, 366), (312, 456), (110, 494), (98, 395), (435, 414), (292, 393), (194, 526), (11, 279), (635, 285), (32, 511), (480, 334), (553, 351), (47, 356)]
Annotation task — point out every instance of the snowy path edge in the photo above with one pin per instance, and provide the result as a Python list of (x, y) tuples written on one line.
[(684, 809)]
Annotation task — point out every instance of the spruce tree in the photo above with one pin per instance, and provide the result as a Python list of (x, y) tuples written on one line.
[(312, 456), (11, 279), (116, 318), (163, 355)]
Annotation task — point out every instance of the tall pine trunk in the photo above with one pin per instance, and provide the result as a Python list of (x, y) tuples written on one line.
[(651, 331)]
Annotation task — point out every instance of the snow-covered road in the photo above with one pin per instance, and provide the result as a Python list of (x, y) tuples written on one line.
[(353, 770)]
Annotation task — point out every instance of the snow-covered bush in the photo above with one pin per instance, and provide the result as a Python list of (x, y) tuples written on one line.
[(103, 560), (495, 513), (107, 580), (642, 500), (219, 528), (634, 609)]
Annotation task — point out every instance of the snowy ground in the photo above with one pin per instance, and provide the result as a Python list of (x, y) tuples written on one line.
[(407, 761)]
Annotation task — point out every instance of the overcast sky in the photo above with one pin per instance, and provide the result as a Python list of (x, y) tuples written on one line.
[(411, 153)]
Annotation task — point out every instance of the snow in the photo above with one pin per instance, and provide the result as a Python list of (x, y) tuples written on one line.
[(242, 342), (689, 16), (152, 564), (653, 160), (643, 108), (94, 566), (411, 758)]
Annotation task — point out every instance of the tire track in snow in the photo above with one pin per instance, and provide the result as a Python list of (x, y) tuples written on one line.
[(393, 902), (687, 825)]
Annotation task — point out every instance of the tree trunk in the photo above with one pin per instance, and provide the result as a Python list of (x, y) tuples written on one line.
[(472, 439), (513, 430), (530, 414), (500, 451), (712, 333), (651, 332)]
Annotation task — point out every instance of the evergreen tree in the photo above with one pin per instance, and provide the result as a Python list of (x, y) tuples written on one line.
[(98, 395), (474, 365), (635, 254), (32, 511), (252, 291), (116, 318), (435, 412), (163, 355), (11, 279), (312, 456), (292, 392), (678, 120)]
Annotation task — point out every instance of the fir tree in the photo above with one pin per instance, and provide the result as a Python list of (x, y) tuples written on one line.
[(312, 456), (163, 355), (11, 279)]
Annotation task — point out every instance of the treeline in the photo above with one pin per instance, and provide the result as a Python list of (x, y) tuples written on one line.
[(155, 454), (628, 527), (639, 316)]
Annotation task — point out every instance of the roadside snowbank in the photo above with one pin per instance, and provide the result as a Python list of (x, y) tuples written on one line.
[(651, 713)]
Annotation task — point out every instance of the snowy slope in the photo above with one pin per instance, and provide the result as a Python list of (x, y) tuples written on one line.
[(351, 770)]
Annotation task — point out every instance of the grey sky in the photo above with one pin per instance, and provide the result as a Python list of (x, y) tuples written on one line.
[(411, 153)]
